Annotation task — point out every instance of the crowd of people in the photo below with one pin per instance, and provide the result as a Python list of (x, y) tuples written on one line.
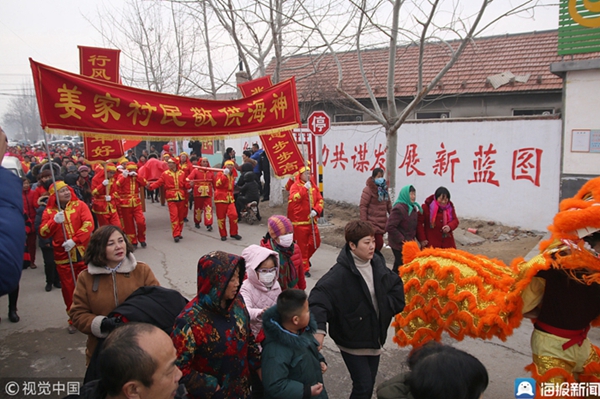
[(251, 330)]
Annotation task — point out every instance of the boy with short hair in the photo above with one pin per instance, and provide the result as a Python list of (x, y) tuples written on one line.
[(292, 366)]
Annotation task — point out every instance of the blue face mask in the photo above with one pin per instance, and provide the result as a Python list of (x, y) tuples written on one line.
[(379, 181)]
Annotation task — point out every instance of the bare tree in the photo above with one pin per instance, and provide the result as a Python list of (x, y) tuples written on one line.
[(23, 116), (417, 22), (164, 47)]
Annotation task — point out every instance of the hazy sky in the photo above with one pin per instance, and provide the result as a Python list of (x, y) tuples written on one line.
[(49, 31)]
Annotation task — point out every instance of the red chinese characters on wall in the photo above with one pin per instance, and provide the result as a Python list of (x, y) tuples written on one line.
[(526, 164), (482, 166), (411, 159), (445, 159), (359, 159), (339, 157)]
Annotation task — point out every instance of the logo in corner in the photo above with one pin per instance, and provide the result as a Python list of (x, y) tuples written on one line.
[(524, 388)]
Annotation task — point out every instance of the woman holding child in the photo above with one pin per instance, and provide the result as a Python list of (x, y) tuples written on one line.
[(358, 297)]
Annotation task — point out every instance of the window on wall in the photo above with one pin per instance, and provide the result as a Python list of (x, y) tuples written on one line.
[(529, 112), (348, 118), (433, 115)]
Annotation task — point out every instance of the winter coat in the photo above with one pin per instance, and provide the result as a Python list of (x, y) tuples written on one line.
[(434, 235), (401, 226), (291, 271), (394, 388), (215, 345), (91, 306), (371, 209), (342, 299), (291, 362), (42, 242), (12, 231), (249, 186), (256, 296), (78, 224)]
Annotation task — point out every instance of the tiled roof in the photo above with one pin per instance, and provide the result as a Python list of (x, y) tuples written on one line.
[(522, 54)]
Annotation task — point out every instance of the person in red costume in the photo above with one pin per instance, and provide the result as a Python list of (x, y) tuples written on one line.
[(104, 193), (305, 203), (224, 201), (186, 165), (175, 184), (78, 224), (203, 186), (129, 184)]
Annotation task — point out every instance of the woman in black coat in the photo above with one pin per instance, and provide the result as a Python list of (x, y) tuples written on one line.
[(358, 297)]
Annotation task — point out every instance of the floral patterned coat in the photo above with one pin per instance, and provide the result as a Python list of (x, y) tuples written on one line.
[(215, 346)]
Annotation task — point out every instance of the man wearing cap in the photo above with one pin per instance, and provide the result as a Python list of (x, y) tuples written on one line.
[(175, 184), (305, 203), (128, 185), (105, 196), (203, 185), (78, 224), (225, 203)]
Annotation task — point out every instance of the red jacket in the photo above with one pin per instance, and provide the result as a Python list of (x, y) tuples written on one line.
[(174, 183), (79, 226), (434, 234), (129, 190), (99, 193), (299, 206), (203, 182), (224, 188)]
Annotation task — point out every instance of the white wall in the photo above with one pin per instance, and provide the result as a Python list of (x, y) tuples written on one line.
[(514, 202), (581, 112)]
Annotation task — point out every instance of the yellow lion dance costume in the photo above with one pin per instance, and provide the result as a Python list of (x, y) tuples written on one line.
[(468, 295)]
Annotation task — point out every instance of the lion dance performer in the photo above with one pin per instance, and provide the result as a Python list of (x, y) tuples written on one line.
[(129, 184), (78, 224), (470, 295), (203, 182), (305, 203), (175, 185), (224, 202), (104, 193)]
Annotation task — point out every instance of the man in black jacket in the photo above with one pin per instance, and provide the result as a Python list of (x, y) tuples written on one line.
[(358, 297)]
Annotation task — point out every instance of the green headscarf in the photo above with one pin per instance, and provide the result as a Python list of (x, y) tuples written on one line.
[(404, 198)]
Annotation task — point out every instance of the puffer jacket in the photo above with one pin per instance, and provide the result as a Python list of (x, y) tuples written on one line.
[(91, 306), (371, 209), (12, 230), (342, 299), (256, 296), (292, 362), (215, 345)]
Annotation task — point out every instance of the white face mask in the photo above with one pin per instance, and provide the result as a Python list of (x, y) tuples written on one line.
[(286, 240), (268, 279)]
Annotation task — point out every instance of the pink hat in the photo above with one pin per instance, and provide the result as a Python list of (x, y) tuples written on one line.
[(279, 225)]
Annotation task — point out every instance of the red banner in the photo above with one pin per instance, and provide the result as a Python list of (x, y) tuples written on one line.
[(97, 149), (71, 102), (281, 148), (99, 63)]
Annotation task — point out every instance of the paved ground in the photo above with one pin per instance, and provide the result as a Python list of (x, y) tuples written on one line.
[(40, 347)]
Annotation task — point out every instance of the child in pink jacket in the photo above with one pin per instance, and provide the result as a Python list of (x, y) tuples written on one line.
[(261, 289)]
